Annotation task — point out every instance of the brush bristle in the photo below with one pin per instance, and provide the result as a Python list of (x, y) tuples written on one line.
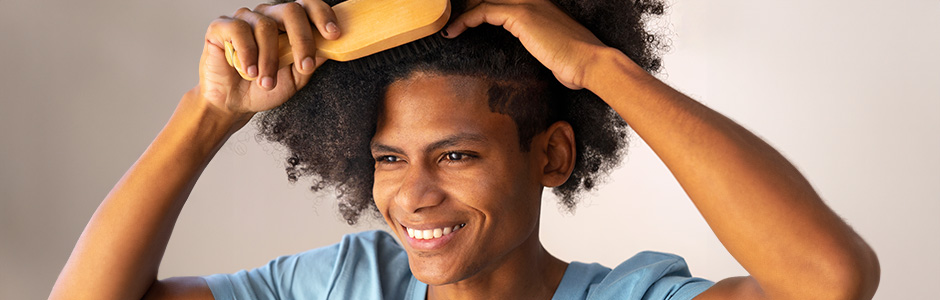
[(397, 54)]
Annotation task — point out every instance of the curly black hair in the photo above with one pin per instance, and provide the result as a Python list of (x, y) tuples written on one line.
[(328, 125)]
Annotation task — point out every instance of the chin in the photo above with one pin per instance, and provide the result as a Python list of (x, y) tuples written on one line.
[(435, 271)]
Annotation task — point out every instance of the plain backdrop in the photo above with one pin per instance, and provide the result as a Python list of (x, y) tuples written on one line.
[(849, 91)]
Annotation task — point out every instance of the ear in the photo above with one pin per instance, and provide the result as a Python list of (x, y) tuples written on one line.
[(559, 153)]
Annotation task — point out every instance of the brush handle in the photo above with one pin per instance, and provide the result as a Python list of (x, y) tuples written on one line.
[(369, 27)]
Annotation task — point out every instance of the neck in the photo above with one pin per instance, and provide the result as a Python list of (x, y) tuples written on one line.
[(528, 272)]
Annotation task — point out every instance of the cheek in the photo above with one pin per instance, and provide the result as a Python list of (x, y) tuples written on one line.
[(383, 191), (503, 191), (522, 201)]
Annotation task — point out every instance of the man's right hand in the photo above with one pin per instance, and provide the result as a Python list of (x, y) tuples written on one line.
[(254, 34)]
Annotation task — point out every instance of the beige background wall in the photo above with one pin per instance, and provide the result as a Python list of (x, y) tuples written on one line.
[(848, 90)]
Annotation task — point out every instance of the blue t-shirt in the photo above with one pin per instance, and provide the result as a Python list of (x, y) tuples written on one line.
[(372, 265)]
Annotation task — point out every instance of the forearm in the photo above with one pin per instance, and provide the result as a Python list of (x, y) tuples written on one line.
[(758, 204), (119, 252)]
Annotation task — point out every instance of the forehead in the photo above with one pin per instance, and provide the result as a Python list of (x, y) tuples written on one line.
[(427, 106), (421, 86)]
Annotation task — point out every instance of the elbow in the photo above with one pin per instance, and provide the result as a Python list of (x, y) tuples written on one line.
[(854, 275)]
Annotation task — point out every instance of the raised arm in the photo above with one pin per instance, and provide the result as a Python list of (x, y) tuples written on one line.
[(119, 252), (761, 208)]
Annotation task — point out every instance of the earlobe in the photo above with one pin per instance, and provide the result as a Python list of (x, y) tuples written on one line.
[(560, 152)]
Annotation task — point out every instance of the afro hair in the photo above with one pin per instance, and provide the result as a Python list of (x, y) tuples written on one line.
[(327, 126)]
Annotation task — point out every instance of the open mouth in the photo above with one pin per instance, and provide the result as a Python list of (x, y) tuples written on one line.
[(428, 234)]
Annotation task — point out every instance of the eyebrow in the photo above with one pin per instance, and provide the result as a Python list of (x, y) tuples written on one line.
[(449, 141)]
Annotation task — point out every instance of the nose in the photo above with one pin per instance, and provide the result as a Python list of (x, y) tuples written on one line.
[(419, 189)]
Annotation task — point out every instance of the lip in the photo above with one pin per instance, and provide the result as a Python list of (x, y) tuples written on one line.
[(431, 244)]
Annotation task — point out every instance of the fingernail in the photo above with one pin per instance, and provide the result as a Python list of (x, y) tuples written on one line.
[(444, 32), (307, 64), (267, 82), (253, 71), (332, 28)]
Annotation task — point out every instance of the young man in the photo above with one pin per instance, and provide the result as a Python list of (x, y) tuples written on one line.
[(458, 165)]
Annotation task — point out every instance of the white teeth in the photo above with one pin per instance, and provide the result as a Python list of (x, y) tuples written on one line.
[(428, 234)]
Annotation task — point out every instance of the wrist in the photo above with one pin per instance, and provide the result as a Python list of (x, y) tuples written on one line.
[(219, 116), (201, 125), (608, 68), (217, 119)]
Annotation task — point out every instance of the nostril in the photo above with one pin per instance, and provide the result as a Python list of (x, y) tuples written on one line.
[(417, 192)]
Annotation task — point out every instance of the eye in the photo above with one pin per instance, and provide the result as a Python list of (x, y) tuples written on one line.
[(456, 157), (387, 159)]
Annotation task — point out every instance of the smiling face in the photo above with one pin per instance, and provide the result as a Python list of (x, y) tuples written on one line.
[(445, 161)]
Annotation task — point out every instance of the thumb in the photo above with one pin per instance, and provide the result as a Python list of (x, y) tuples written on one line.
[(300, 79), (566, 83)]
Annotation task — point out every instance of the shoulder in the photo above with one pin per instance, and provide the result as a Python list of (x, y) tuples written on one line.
[(368, 264), (367, 251), (371, 251), (646, 275), (654, 265), (372, 242)]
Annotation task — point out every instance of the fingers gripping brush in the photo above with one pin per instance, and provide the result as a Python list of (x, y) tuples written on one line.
[(370, 27)]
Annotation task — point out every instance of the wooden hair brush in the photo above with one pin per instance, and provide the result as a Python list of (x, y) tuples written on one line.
[(369, 27)]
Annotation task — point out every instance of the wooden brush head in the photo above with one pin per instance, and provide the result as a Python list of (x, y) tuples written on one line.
[(371, 26), (368, 27)]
